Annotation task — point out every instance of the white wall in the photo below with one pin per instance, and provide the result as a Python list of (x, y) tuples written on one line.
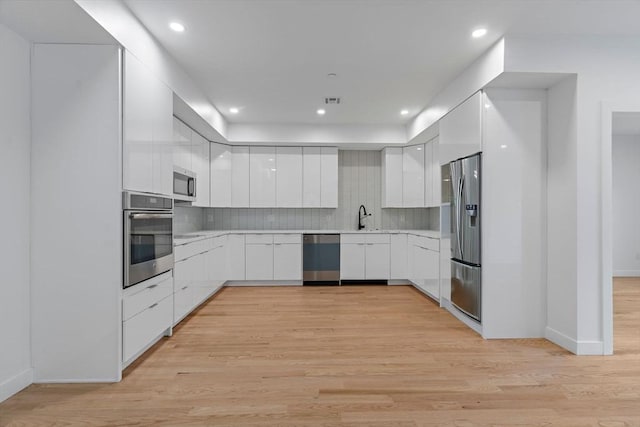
[(76, 221), (607, 70), (15, 352), (626, 205), (562, 302)]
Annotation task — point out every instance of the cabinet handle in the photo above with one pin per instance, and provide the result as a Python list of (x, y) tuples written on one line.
[(153, 306), (152, 286), (184, 287)]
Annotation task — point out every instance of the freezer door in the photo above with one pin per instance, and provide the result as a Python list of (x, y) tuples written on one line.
[(466, 289), (470, 210)]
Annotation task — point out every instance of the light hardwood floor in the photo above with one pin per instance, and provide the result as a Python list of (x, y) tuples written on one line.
[(359, 356)]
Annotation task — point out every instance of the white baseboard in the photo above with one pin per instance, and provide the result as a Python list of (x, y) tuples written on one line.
[(581, 348), (626, 273), (15, 384), (232, 283)]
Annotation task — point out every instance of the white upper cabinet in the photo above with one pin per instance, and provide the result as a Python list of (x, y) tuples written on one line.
[(461, 130), (392, 177), (240, 177), (329, 177), (289, 177), (200, 165), (220, 183), (413, 176), (431, 174), (147, 118), (262, 177), (311, 181), (182, 145)]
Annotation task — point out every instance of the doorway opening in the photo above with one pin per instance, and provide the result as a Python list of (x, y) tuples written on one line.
[(620, 228)]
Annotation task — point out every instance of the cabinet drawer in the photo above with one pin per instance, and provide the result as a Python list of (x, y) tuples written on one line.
[(258, 238), (378, 238), (428, 243), (287, 238), (143, 328), (352, 238), (190, 249), (149, 293)]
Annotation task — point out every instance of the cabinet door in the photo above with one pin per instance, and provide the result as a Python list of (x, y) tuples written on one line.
[(220, 171), (287, 261), (428, 172), (352, 261), (181, 145), (235, 257), (162, 128), (183, 295), (289, 177), (432, 273), (416, 271), (329, 177), (262, 177), (398, 257), (413, 176), (436, 178), (240, 177), (377, 261), (216, 266), (137, 126), (200, 163), (461, 131), (259, 261), (392, 177), (311, 181)]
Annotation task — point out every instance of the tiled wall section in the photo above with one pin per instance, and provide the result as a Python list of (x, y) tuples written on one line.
[(359, 183)]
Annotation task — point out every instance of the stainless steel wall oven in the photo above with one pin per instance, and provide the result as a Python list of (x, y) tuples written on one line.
[(148, 236)]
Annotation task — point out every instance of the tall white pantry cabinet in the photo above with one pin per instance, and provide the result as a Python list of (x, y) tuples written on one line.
[(76, 262)]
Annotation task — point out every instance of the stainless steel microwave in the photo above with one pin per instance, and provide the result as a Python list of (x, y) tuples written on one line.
[(184, 185)]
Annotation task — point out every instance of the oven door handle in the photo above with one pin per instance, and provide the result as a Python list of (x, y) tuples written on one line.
[(150, 215)]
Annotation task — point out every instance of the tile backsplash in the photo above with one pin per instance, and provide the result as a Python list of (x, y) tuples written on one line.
[(359, 183)]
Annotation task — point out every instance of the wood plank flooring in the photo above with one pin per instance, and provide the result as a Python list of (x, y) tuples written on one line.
[(350, 356)]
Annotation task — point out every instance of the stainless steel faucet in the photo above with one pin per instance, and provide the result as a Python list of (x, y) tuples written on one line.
[(362, 214)]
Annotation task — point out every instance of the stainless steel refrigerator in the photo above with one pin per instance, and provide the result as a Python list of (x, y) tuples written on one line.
[(466, 261)]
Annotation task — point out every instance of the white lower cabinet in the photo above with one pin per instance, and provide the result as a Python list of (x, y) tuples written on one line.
[(364, 257), (235, 257), (398, 257), (424, 264), (352, 259), (147, 314), (259, 261), (287, 257)]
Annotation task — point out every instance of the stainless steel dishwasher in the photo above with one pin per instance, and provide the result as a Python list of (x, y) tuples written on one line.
[(321, 259)]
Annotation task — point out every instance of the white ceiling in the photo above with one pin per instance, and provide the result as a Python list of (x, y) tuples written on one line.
[(271, 57)]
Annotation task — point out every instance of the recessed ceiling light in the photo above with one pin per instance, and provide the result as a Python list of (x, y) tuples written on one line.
[(332, 75), (321, 112), (404, 112), (177, 27), (234, 110), (479, 33)]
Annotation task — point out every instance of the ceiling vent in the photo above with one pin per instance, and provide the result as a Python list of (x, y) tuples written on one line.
[(332, 100)]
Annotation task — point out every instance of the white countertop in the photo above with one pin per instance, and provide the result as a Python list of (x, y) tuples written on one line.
[(207, 234)]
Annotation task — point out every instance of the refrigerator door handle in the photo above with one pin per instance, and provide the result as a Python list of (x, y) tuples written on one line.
[(459, 216)]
